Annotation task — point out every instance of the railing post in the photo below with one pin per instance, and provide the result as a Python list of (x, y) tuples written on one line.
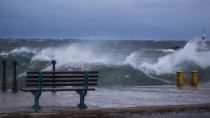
[(53, 69), (4, 81), (53, 65), (14, 87)]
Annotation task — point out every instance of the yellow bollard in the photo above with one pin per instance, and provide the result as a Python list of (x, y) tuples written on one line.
[(194, 78), (179, 78)]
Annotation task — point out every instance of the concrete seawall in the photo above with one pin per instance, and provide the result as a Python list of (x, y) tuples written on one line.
[(103, 112)]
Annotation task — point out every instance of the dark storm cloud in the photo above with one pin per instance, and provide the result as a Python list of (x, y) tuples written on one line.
[(138, 19)]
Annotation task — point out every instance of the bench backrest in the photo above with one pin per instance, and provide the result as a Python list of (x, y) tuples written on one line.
[(59, 79)]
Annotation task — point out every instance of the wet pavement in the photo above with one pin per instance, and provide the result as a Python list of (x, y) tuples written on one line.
[(115, 97), (200, 114)]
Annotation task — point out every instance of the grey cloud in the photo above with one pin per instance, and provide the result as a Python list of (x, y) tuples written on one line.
[(148, 19)]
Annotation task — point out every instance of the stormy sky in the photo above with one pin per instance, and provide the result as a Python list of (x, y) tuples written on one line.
[(104, 19)]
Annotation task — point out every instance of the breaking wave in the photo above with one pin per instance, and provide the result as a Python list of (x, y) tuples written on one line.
[(129, 68), (170, 63)]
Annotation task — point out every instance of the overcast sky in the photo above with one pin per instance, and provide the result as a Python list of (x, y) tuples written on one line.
[(104, 19)]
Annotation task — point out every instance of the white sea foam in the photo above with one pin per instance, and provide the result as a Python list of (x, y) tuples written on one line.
[(79, 55), (19, 51), (24, 50), (168, 50), (175, 61), (76, 55)]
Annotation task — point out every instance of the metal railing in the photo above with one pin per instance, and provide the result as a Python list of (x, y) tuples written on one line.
[(14, 66)]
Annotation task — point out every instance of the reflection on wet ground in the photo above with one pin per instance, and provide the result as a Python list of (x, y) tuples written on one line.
[(111, 97)]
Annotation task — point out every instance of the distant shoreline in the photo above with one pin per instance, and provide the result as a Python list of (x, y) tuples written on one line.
[(88, 39)]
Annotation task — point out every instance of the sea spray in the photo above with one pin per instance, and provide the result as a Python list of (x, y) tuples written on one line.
[(172, 62), (19, 51), (77, 55), (128, 63)]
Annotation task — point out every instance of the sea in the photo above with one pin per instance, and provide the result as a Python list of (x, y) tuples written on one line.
[(132, 73), (119, 62)]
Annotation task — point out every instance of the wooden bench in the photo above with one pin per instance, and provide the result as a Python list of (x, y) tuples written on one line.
[(80, 81)]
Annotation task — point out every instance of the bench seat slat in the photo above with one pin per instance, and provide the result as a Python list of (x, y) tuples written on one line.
[(63, 72), (62, 76), (55, 89), (61, 80), (61, 84), (82, 74)]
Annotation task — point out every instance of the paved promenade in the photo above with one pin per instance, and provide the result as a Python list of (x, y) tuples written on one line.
[(110, 98)]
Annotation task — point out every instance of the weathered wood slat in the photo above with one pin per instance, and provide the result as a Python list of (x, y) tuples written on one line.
[(55, 89), (64, 72), (62, 76), (61, 80), (60, 84)]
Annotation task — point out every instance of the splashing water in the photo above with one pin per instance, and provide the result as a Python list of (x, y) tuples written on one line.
[(119, 63), (19, 51), (76, 55), (175, 61)]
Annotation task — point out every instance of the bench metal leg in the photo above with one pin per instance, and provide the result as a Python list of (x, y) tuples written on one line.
[(82, 104), (37, 95)]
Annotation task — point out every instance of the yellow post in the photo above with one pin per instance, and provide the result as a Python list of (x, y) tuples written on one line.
[(194, 78), (179, 78)]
